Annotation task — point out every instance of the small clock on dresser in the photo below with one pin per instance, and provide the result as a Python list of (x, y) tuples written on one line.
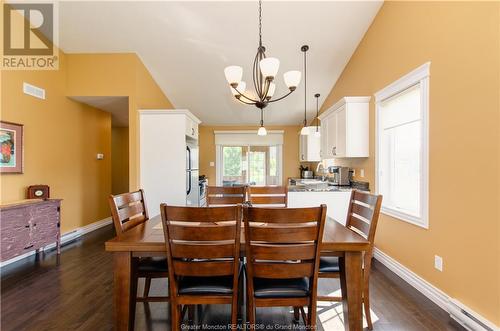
[(38, 192)]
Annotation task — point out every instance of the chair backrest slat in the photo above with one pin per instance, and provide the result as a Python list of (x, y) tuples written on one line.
[(128, 210), (283, 270), (202, 232), (194, 250), (285, 215), (225, 195), (359, 225), (284, 252), (131, 211), (283, 242), (281, 234), (268, 195), (202, 241), (203, 268)]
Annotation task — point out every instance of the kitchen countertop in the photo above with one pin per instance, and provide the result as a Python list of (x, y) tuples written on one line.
[(316, 185), (322, 188)]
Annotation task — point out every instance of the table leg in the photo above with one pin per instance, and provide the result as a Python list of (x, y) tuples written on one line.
[(351, 283), (124, 288)]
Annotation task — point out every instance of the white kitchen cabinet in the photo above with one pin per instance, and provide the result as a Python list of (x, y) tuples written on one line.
[(192, 127), (345, 129), (337, 202), (309, 146)]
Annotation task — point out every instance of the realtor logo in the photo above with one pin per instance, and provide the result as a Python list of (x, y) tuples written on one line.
[(29, 36)]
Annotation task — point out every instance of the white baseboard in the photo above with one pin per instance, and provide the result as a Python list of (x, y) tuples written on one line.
[(468, 318), (65, 238)]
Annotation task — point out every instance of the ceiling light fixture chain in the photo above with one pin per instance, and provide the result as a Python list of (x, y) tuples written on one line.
[(317, 133), (305, 130), (305, 86)]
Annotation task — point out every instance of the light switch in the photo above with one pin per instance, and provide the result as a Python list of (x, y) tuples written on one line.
[(212, 164), (362, 172), (100, 156)]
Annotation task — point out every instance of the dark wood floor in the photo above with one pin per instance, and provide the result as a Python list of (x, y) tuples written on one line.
[(36, 294)]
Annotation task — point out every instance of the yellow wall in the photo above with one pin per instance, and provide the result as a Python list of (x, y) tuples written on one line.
[(62, 137), (118, 75), (61, 140), (119, 160), (290, 149), (462, 41)]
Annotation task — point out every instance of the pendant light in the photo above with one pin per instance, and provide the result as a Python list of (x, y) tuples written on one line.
[(262, 130), (305, 130), (317, 133)]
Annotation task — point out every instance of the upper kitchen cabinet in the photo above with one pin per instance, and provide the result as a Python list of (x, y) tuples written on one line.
[(345, 129), (309, 146), (192, 126)]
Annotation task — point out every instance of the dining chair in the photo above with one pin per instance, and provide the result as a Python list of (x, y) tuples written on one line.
[(203, 250), (226, 195), (129, 210), (282, 248), (276, 196), (362, 217)]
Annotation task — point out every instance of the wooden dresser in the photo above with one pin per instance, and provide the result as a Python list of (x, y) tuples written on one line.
[(29, 225)]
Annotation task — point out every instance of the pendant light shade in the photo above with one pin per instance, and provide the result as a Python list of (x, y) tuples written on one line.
[(292, 79), (304, 131), (262, 131), (269, 67), (233, 74)]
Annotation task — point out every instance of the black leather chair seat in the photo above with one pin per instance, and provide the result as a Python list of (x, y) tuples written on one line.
[(329, 264), (205, 285), (281, 288), (153, 264)]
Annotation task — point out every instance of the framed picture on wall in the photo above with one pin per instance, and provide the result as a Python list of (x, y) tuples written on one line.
[(11, 147)]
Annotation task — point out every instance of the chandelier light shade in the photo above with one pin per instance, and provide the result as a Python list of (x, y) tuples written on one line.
[(269, 67), (317, 133), (292, 79), (305, 130), (265, 70), (234, 74)]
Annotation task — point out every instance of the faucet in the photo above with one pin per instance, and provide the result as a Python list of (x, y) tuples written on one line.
[(320, 169)]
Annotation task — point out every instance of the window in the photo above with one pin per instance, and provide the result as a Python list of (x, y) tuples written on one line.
[(245, 158), (253, 165), (402, 147)]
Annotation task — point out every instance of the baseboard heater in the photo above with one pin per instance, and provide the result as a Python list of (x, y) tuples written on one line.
[(468, 320)]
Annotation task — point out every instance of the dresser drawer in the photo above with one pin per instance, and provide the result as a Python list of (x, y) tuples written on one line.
[(15, 241), (28, 226)]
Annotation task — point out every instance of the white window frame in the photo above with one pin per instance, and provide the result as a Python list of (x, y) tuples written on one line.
[(418, 76), (274, 138)]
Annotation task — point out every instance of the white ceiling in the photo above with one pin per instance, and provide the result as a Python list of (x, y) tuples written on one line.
[(186, 46), (117, 106)]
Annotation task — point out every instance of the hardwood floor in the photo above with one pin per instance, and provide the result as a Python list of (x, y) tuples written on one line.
[(37, 294)]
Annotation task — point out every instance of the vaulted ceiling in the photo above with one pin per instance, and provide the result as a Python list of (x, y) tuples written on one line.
[(186, 46)]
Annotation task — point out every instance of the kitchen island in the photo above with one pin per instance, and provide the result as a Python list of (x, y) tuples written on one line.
[(336, 198)]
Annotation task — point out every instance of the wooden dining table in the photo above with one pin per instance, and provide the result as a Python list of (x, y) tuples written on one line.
[(147, 240)]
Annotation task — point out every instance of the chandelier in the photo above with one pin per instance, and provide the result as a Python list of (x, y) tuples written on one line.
[(265, 70)]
